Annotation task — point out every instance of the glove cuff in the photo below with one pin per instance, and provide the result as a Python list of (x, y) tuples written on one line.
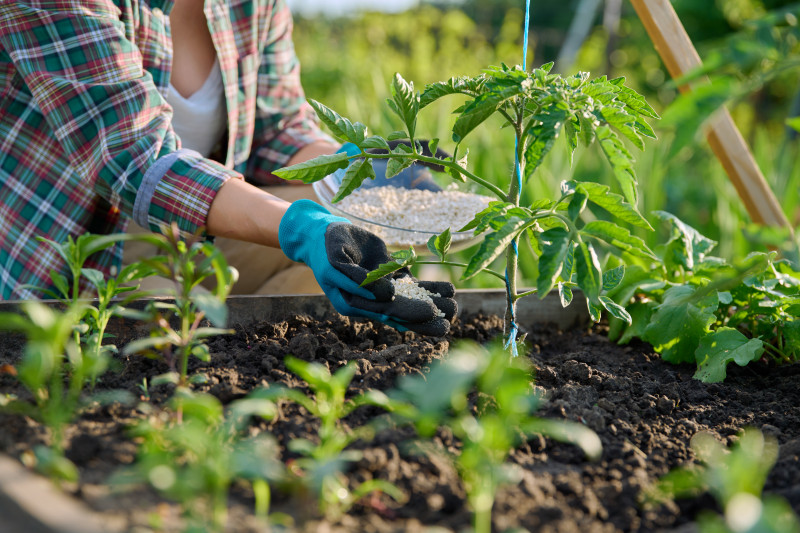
[(303, 227), (349, 149)]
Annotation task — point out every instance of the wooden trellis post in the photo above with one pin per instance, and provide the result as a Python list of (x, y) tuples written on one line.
[(680, 56)]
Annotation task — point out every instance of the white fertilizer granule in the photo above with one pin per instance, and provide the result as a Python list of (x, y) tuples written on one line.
[(407, 287), (412, 210)]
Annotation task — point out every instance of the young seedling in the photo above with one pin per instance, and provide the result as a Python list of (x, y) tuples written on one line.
[(100, 297), (50, 358), (485, 398), (321, 464), (187, 264), (537, 106), (735, 478), (195, 462)]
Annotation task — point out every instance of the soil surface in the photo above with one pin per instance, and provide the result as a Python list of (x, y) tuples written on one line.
[(644, 410)]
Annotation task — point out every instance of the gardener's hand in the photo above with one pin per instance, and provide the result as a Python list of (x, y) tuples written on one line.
[(341, 255), (416, 176)]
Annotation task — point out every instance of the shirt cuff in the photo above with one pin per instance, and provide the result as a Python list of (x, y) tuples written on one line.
[(179, 188)]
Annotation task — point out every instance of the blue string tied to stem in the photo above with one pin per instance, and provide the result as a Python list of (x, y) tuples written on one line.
[(511, 341)]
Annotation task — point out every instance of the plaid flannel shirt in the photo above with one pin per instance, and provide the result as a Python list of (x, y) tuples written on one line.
[(85, 135)]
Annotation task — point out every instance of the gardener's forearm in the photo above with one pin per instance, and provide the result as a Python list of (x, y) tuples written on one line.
[(246, 213), (243, 212)]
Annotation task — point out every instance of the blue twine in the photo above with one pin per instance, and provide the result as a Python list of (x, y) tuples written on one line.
[(512, 334)]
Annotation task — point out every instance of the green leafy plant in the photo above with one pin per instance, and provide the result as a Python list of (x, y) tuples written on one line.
[(538, 106), (101, 298), (485, 397), (321, 464), (764, 50), (195, 461), (696, 308), (178, 330), (53, 372), (735, 478)]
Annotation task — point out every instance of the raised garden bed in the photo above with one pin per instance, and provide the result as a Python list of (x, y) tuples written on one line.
[(644, 410)]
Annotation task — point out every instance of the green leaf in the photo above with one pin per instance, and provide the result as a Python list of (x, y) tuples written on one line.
[(402, 259), (719, 348), (576, 205), (215, 309), (793, 123), (677, 325), (621, 161), (397, 136), (544, 133), (147, 343), (640, 314), (494, 215), (493, 245), (375, 142), (615, 204), (360, 170), (687, 246), (61, 283), (314, 169), (461, 85), (481, 108), (619, 237), (587, 269), (440, 244), (95, 277), (571, 129), (555, 243), (624, 123), (405, 103), (616, 310), (396, 165), (564, 294), (613, 277), (634, 101), (587, 126), (595, 310), (340, 126)]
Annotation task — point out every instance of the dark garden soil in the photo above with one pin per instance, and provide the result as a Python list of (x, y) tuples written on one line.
[(644, 410)]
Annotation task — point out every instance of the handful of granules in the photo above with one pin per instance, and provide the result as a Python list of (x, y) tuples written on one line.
[(406, 286)]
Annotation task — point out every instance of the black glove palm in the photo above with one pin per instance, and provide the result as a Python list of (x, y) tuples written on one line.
[(341, 255)]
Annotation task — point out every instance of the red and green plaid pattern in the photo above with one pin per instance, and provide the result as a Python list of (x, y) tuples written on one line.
[(85, 135)]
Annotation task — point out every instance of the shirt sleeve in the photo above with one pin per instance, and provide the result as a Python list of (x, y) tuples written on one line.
[(86, 76), (285, 122)]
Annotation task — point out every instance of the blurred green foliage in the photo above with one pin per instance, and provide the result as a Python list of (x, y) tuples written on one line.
[(347, 63)]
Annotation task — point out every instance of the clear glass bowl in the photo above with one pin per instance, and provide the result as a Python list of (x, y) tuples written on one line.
[(402, 237)]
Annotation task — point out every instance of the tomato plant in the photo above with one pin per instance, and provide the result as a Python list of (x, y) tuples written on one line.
[(539, 107)]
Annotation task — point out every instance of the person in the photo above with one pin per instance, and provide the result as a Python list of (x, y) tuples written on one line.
[(97, 98)]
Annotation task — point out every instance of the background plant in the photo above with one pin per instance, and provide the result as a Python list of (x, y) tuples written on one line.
[(485, 397), (697, 308), (53, 371), (735, 477), (100, 298), (537, 106), (321, 465), (187, 263)]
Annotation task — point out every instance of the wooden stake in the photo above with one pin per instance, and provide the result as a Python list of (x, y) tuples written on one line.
[(680, 56)]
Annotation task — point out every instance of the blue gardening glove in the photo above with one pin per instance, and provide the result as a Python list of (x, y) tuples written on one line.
[(416, 176), (341, 255)]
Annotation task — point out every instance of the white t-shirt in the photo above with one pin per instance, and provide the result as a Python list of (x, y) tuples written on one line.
[(201, 119)]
